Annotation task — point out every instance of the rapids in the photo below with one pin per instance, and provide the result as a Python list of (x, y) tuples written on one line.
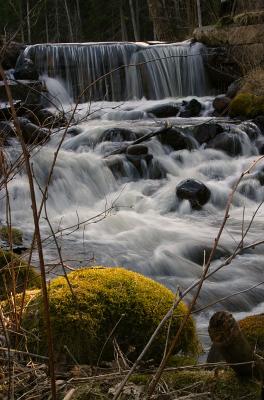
[(133, 220)]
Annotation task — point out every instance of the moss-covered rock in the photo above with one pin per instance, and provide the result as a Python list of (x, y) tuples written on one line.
[(253, 328), (104, 298), (246, 105), (13, 269), (16, 235)]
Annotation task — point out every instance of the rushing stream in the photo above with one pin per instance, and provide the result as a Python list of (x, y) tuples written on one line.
[(145, 227)]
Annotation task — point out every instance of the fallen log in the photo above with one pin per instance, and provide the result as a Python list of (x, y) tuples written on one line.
[(148, 136), (230, 342)]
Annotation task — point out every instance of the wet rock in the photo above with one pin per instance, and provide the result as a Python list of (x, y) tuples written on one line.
[(164, 110), (221, 104), (175, 139), (191, 109), (118, 135), (48, 119), (29, 92), (250, 129), (233, 89), (26, 71), (228, 142), (116, 165), (259, 121), (204, 133), (194, 191), (137, 150), (32, 133), (6, 131), (74, 130)]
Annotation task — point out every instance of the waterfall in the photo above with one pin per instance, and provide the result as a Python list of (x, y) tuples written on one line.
[(123, 71)]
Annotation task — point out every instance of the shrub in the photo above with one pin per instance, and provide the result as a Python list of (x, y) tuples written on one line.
[(246, 105), (102, 296), (11, 264), (16, 235)]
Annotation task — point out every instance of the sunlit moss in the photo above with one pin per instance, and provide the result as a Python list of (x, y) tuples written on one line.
[(253, 328), (102, 298), (246, 105)]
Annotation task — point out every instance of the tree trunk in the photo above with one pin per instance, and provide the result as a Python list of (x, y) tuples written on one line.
[(123, 23), (199, 13), (162, 26), (28, 22), (69, 20), (231, 343), (134, 20)]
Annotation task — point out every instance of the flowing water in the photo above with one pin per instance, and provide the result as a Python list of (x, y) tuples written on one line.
[(140, 222)]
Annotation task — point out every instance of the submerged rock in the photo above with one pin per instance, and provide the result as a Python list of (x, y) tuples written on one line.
[(175, 139), (195, 191), (230, 143), (117, 135), (137, 150), (164, 110), (191, 109)]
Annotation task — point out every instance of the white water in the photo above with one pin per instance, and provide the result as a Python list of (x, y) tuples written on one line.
[(123, 71), (148, 230)]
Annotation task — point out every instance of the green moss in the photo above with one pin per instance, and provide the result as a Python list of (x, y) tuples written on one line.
[(225, 385), (103, 296), (16, 235), (253, 328), (13, 268), (246, 105), (249, 18)]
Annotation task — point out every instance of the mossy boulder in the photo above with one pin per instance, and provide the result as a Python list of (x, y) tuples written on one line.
[(13, 268), (105, 299), (253, 328), (16, 235), (246, 105)]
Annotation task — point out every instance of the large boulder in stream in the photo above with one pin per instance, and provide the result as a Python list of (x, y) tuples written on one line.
[(166, 110), (105, 297), (176, 139), (221, 105), (32, 133), (195, 191), (230, 143), (26, 71)]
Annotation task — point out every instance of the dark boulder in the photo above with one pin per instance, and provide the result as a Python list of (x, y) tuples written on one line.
[(164, 110), (176, 139), (74, 131), (221, 105), (191, 109), (137, 150), (5, 110), (26, 71), (48, 119), (194, 191), (32, 133), (138, 153), (204, 133), (230, 143), (118, 135)]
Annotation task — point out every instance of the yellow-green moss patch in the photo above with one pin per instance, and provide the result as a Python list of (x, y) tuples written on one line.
[(247, 105), (104, 298), (14, 272), (253, 328)]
